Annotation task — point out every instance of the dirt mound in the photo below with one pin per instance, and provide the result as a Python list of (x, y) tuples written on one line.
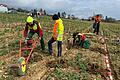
[(58, 63), (96, 69)]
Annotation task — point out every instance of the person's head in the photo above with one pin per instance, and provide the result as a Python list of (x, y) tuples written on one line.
[(30, 20), (97, 15), (55, 17)]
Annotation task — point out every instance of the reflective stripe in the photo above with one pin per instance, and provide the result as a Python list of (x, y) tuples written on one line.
[(34, 27), (60, 26), (60, 29), (60, 37), (39, 25), (23, 66)]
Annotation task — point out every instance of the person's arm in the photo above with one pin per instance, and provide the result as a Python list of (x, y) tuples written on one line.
[(40, 30), (83, 37), (55, 33), (26, 31)]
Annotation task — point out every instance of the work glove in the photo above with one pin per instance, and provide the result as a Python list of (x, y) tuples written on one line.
[(26, 40), (55, 38), (39, 38)]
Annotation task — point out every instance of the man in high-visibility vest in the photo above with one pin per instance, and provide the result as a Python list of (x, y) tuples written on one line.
[(32, 27), (96, 24), (58, 32)]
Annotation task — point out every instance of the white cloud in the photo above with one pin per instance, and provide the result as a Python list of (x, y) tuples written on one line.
[(26, 2), (77, 7)]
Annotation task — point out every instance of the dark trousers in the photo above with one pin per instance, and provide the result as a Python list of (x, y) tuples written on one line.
[(59, 46), (75, 36), (82, 43), (41, 41), (96, 27)]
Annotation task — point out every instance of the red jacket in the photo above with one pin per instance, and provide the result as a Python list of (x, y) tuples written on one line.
[(83, 37), (39, 30)]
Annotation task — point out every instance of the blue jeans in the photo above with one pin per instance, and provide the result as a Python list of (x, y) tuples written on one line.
[(59, 46)]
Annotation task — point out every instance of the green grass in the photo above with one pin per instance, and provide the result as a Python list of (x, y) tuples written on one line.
[(78, 62), (10, 77), (110, 30), (14, 45), (80, 74), (2, 33), (2, 63), (61, 75), (3, 52), (12, 18)]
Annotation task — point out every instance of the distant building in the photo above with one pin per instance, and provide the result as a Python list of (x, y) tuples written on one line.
[(41, 12), (3, 8)]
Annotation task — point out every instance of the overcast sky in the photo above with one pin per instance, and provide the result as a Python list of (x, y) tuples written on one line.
[(80, 8)]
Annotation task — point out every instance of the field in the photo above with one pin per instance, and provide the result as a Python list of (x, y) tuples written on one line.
[(75, 63)]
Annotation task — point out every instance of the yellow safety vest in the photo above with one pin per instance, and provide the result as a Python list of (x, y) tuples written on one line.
[(34, 27), (60, 29)]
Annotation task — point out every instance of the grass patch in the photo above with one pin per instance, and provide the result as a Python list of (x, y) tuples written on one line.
[(2, 33), (2, 62), (61, 75), (3, 52), (7, 77), (79, 63), (14, 45)]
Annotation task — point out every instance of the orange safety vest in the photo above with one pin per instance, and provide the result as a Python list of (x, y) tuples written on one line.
[(58, 29)]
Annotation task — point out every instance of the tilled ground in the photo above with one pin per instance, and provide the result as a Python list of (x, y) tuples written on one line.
[(42, 65)]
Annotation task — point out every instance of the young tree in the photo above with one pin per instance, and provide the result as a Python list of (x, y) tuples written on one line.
[(69, 16), (45, 12), (73, 16), (41, 11), (59, 14), (20, 10), (110, 19), (63, 14), (106, 18), (35, 13)]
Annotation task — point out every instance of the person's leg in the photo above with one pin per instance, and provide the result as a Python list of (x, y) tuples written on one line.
[(98, 25), (94, 30), (59, 46), (82, 43), (94, 26), (50, 45), (78, 40), (42, 43), (30, 35), (28, 44), (74, 39)]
